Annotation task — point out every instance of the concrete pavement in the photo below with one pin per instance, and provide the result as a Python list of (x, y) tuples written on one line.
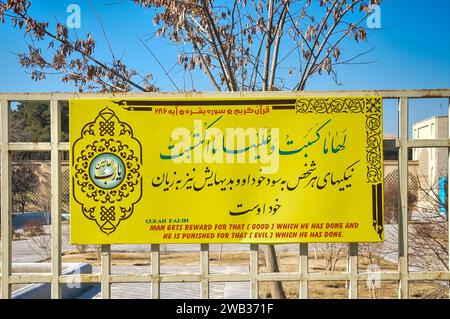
[(218, 290)]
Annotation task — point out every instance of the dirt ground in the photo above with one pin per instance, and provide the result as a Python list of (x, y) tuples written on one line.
[(289, 262)]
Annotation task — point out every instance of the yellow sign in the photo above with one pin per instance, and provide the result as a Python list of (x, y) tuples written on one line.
[(248, 170)]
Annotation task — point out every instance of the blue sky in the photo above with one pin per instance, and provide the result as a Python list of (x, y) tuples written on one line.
[(411, 50)]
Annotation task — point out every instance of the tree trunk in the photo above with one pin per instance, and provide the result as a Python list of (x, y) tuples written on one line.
[(270, 256)]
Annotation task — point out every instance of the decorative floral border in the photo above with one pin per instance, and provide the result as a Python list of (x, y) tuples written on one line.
[(372, 108)]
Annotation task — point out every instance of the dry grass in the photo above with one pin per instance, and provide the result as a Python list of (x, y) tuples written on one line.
[(289, 262)]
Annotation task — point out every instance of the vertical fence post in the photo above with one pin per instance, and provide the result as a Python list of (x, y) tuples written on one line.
[(353, 270), (303, 288), (55, 198), (204, 271), (155, 271), (5, 200), (403, 200), (106, 271), (254, 269), (448, 192)]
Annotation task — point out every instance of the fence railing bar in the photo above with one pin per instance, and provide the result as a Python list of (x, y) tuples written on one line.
[(166, 278), (64, 146), (386, 94), (403, 201), (81, 278), (5, 201), (254, 270), (34, 147), (425, 143), (353, 270), (156, 268), (105, 271), (20, 278), (303, 268), (31, 147), (429, 275), (55, 199), (204, 271)]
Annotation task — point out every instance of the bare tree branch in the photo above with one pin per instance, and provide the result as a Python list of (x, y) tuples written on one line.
[(278, 36), (206, 68), (159, 63), (269, 41), (221, 53)]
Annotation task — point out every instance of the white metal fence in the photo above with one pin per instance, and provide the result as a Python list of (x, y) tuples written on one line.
[(154, 277)]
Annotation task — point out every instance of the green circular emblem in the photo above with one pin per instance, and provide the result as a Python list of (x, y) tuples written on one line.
[(107, 171)]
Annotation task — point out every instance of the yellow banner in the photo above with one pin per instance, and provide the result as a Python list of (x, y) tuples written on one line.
[(248, 170)]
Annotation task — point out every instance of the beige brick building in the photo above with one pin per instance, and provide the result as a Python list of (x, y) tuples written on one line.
[(433, 162)]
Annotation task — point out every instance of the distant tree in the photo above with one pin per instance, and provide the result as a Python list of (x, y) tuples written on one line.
[(34, 120), (31, 123), (65, 123), (429, 230), (25, 183)]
